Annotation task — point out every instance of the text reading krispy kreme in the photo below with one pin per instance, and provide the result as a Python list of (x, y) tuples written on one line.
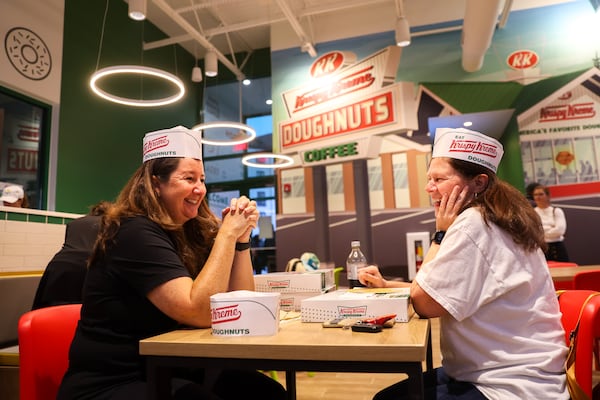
[(156, 143), (368, 113), (472, 146), (226, 314)]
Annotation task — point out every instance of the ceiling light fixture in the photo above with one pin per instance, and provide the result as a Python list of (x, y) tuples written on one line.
[(137, 9), (196, 73), (402, 26), (278, 160), (402, 32), (242, 133), (139, 70), (211, 64), (135, 70)]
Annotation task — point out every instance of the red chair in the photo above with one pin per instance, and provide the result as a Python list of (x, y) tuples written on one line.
[(45, 336), (589, 330), (562, 285), (587, 280), (554, 264)]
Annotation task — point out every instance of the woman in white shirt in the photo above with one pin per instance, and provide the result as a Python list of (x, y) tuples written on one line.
[(485, 276), (554, 224)]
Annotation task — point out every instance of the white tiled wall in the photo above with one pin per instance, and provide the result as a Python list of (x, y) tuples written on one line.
[(27, 246)]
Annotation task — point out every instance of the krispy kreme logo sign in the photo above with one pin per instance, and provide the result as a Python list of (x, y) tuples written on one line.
[(349, 100), (473, 146), (226, 314), (330, 63), (156, 143), (567, 112), (337, 75), (522, 59), (338, 87)]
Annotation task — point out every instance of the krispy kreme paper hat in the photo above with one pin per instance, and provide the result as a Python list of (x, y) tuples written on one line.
[(11, 194), (178, 141), (464, 144)]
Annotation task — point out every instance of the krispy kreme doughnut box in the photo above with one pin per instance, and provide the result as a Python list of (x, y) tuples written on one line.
[(244, 313), (357, 303)]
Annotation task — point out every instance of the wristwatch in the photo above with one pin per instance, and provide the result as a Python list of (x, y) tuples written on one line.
[(242, 246), (437, 237)]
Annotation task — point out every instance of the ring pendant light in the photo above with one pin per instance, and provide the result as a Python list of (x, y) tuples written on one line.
[(251, 133), (139, 70), (285, 160)]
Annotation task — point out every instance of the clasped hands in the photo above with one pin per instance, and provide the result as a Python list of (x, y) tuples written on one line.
[(241, 216)]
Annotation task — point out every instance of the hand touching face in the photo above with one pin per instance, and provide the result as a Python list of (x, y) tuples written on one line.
[(448, 190)]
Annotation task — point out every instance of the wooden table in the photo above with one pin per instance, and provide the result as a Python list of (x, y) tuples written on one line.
[(562, 274), (296, 347)]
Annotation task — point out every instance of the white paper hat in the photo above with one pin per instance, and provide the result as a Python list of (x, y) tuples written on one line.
[(467, 145), (12, 193), (178, 141)]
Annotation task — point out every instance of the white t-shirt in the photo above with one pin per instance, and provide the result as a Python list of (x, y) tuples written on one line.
[(503, 333), (553, 222)]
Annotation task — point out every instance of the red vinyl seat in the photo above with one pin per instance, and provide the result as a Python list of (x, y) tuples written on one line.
[(552, 264), (571, 302), (587, 280), (45, 336), (562, 285)]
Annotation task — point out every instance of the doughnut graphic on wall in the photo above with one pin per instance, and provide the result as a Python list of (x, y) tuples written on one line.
[(28, 53)]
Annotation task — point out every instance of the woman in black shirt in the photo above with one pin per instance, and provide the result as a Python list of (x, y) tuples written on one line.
[(161, 254)]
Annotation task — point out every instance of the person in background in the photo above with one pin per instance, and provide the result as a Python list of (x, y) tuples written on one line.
[(529, 192), (159, 256), (486, 278), (14, 196), (62, 281), (554, 224)]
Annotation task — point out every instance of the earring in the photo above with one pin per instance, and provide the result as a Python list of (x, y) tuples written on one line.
[(476, 194)]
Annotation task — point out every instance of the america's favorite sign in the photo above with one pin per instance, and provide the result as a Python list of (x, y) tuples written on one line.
[(347, 102)]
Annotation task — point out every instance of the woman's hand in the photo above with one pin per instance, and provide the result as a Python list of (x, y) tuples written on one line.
[(450, 206), (371, 277), (241, 211)]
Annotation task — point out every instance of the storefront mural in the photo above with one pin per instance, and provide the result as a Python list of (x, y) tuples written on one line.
[(560, 136)]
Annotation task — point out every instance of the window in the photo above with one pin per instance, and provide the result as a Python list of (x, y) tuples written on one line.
[(23, 123), (227, 177)]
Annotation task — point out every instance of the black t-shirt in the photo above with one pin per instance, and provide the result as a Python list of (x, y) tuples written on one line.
[(63, 278), (116, 313)]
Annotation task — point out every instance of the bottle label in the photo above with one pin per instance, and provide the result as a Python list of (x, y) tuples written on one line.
[(352, 271)]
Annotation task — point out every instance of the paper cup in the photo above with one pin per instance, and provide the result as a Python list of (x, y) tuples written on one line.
[(245, 313)]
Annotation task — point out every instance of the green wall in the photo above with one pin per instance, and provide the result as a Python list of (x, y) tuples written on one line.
[(100, 143)]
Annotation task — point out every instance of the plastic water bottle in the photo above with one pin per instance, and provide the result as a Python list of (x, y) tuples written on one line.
[(356, 260)]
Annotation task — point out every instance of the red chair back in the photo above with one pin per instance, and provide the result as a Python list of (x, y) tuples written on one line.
[(45, 336), (554, 264), (587, 280), (571, 302)]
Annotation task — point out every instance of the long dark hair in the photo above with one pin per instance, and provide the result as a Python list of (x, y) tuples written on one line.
[(193, 239), (505, 206)]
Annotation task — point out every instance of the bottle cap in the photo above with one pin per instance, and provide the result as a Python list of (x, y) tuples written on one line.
[(355, 243)]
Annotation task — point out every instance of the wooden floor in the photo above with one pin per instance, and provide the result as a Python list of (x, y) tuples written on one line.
[(351, 386), (354, 386)]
